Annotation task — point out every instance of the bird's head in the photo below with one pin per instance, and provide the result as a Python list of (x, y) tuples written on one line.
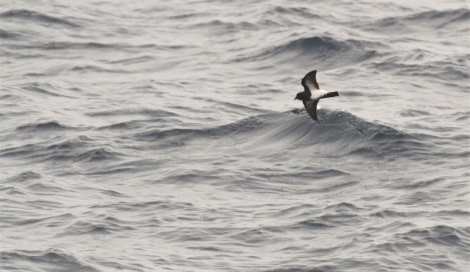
[(299, 96)]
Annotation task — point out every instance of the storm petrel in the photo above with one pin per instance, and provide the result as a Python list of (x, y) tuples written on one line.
[(312, 94)]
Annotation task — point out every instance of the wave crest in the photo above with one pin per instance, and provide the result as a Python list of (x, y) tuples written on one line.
[(24, 14), (427, 19), (326, 51), (337, 133)]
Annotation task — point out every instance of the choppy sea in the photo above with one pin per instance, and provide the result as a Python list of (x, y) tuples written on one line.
[(163, 136)]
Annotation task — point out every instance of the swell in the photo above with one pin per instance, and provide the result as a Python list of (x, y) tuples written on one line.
[(48, 260), (448, 71), (4, 34), (41, 127), (429, 19), (337, 133), (241, 126), (77, 149), (324, 50), (87, 45), (448, 26), (439, 235), (44, 89), (33, 16)]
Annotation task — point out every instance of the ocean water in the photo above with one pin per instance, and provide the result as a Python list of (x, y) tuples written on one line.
[(163, 136)]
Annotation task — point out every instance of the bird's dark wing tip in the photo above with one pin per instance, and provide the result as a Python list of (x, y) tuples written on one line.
[(311, 107), (310, 77)]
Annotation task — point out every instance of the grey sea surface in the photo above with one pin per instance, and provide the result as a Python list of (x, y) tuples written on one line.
[(163, 136)]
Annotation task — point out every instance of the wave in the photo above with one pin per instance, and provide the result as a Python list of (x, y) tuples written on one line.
[(326, 51), (28, 15), (436, 235), (44, 89), (7, 34), (144, 112), (92, 45), (104, 226), (71, 45), (447, 71), (46, 126), (48, 260), (429, 19), (225, 26), (294, 11), (78, 149), (96, 69), (29, 175), (82, 149), (337, 133)]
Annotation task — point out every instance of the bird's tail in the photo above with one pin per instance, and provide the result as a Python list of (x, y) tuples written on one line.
[(331, 94)]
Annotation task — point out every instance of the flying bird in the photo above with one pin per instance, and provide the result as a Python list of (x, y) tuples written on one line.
[(312, 94)]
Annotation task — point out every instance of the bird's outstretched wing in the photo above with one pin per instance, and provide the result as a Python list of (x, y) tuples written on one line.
[(310, 81), (311, 107)]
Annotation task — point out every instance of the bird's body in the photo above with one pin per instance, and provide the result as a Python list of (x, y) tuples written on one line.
[(312, 94)]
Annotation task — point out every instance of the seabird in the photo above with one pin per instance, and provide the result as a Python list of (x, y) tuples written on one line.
[(312, 93)]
